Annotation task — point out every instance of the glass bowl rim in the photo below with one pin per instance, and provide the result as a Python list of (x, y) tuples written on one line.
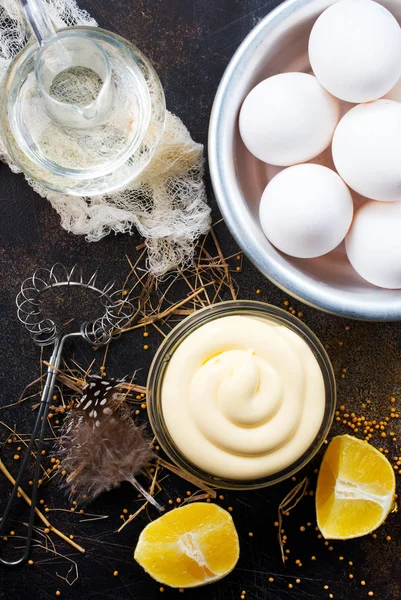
[(183, 330)]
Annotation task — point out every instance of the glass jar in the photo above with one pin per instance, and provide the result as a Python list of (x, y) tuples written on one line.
[(169, 345), (82, 150)]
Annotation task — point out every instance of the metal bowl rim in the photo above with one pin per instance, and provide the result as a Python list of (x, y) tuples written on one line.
[(315, 295)]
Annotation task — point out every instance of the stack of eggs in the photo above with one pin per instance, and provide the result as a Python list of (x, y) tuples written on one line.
[(288, 119)]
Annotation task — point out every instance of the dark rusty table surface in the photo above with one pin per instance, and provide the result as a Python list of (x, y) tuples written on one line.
[(190, 43)]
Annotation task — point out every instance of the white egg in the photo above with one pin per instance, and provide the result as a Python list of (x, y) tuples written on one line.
[(288, 118), (355, 50), (373, 244), (367, 149), (306, 210)]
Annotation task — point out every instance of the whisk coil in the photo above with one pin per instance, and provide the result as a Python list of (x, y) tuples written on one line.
[(45, 331)]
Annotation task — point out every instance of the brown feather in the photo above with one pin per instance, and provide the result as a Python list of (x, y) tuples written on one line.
[(102, 448)]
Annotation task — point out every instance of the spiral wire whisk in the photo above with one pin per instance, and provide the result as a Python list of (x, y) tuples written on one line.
[(44, 331)]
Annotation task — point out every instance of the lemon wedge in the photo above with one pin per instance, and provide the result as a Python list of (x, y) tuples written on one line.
[(355, 489), (189, 546)]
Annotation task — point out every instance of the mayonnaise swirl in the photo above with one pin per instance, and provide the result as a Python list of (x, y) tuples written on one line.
[(243, 397)]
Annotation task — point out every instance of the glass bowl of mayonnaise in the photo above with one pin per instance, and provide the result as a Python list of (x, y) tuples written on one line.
[(241, 395)]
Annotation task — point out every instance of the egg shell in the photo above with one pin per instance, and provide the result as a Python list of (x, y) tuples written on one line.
[(355, 50), (306, 210), (373, 244), (288, 119), (367, 149)]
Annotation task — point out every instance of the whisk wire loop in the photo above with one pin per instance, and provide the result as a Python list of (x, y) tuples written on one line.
[(44, 331)]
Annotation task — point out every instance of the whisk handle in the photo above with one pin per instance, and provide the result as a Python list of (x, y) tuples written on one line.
[(40, 424)]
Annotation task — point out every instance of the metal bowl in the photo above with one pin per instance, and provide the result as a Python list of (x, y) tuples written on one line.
[(279, 44)]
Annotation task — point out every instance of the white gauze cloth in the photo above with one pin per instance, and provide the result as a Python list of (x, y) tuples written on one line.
[(166, 203)]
